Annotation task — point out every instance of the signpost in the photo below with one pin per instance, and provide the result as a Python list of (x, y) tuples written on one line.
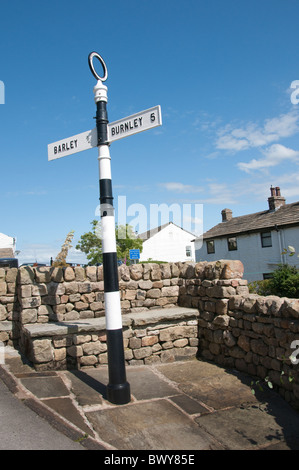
[(139, 122), (135, 254), (76, 143), (118, 389)]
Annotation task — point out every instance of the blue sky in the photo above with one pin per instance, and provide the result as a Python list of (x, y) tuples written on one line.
[(220, 69)]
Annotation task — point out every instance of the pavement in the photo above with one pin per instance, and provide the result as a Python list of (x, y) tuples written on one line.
[(181, 406)]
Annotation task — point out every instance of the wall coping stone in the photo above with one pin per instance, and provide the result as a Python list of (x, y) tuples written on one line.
[(158, 315), (36, 330)]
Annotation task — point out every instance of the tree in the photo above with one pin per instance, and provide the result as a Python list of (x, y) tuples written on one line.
[(90, 243), (60, 259), (126, 240)]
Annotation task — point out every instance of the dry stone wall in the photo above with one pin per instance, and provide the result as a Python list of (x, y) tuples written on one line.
[(56, 294), (156, 336), (9, 306), (256, 335), (228, 325)]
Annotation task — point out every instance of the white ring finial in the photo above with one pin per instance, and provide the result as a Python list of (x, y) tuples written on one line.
[(91, 66)]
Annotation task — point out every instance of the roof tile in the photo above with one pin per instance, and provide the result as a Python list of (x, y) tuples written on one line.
[(285, 215)]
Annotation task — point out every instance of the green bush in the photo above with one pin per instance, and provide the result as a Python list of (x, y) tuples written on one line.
[(285, 282), (259, 287)]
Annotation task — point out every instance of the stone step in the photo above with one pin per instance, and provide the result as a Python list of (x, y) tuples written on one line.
[(149, 317), (158, 335)]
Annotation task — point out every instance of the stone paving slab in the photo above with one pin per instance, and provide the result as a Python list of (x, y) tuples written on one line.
[(254, 426), (145, 384), (189, 405), (210, 384), (45, 387), (150, 425), (16, 363), (24, 429), (66, 408), (87, 389)]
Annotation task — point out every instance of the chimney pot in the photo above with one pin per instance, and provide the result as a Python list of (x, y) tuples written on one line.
[(276, 200), (227, 215)]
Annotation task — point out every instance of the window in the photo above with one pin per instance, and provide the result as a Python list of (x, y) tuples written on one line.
[(267, 275), (188, 251), (232, 243), (210, 246), (266, 239)]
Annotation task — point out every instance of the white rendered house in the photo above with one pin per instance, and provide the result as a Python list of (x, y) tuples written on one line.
[(7, 246), (169, 243), (258, 240)]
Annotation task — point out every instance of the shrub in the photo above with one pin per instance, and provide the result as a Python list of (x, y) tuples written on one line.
[(285, 282), (260, 287)]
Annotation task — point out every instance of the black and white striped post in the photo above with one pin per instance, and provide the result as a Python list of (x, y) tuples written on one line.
[(118, 389)]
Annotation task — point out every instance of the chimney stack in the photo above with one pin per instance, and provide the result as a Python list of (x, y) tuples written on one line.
[(227, 215), (275, 201)]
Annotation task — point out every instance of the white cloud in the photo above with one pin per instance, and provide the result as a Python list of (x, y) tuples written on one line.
[(248, 194), (274, 155), (193, 224), (181, 188), (220, 193), (33, 192), (211, 155), (257, 189), (251, 136), (289, 184), (215, 193)]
